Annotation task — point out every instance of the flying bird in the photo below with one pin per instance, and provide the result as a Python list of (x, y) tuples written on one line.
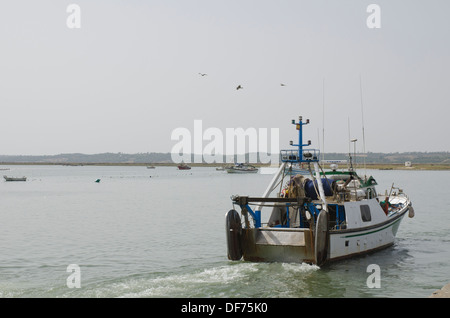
[(239, 87), (283, 84), (202, 74)]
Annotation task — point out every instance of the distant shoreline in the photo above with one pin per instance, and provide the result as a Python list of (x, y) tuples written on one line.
[(398, 166), (374, 166)]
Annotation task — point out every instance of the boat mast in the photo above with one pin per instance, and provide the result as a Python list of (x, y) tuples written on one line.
[(297, 156), (311, 156), (349, 149), (323, 120), (362, 120)]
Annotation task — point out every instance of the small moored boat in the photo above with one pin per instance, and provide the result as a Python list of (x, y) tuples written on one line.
[(242, 168), (183, 166)]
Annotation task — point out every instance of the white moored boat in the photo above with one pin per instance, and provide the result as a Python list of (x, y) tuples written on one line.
[(15, 178), (315, 218), (242, 168)]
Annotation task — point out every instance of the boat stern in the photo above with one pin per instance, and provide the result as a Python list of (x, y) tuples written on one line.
[(278, 245)]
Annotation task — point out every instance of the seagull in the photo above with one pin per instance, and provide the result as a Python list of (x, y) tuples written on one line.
[(202, 74), (239, 87), (282, 84)]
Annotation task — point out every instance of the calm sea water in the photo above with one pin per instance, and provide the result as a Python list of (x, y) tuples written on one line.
[(161, 233)]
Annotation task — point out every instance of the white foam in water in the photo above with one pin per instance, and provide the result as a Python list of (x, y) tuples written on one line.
[(300, 268), (180, 285), (208, 282), (223, 281), (235, 279)]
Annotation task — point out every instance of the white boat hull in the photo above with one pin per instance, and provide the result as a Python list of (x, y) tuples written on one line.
[(350, 243), (15, 178), (298, 244)]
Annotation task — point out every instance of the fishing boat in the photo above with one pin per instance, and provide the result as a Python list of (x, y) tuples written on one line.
[(15, 178), (183, 166), (317, 218), (242, 168)]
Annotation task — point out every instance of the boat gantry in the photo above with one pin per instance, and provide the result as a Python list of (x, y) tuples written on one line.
[(317, 216)]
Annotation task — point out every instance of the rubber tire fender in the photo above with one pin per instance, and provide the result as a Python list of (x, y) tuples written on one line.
[(233, 229)]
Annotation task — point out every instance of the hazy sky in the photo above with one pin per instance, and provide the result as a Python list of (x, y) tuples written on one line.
[(130, 75)]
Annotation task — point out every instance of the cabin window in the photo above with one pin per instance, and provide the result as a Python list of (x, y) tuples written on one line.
[(365, 213)]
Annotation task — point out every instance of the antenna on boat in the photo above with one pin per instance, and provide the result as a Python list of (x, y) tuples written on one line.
[(354, 148), (362, 119), (323, 120), (349, 144), (318, 140), (348, 126)]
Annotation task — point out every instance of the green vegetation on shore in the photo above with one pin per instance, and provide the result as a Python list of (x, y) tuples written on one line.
[(419, 166)]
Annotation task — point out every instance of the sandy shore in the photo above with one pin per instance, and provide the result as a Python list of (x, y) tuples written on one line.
[(444, 292)]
